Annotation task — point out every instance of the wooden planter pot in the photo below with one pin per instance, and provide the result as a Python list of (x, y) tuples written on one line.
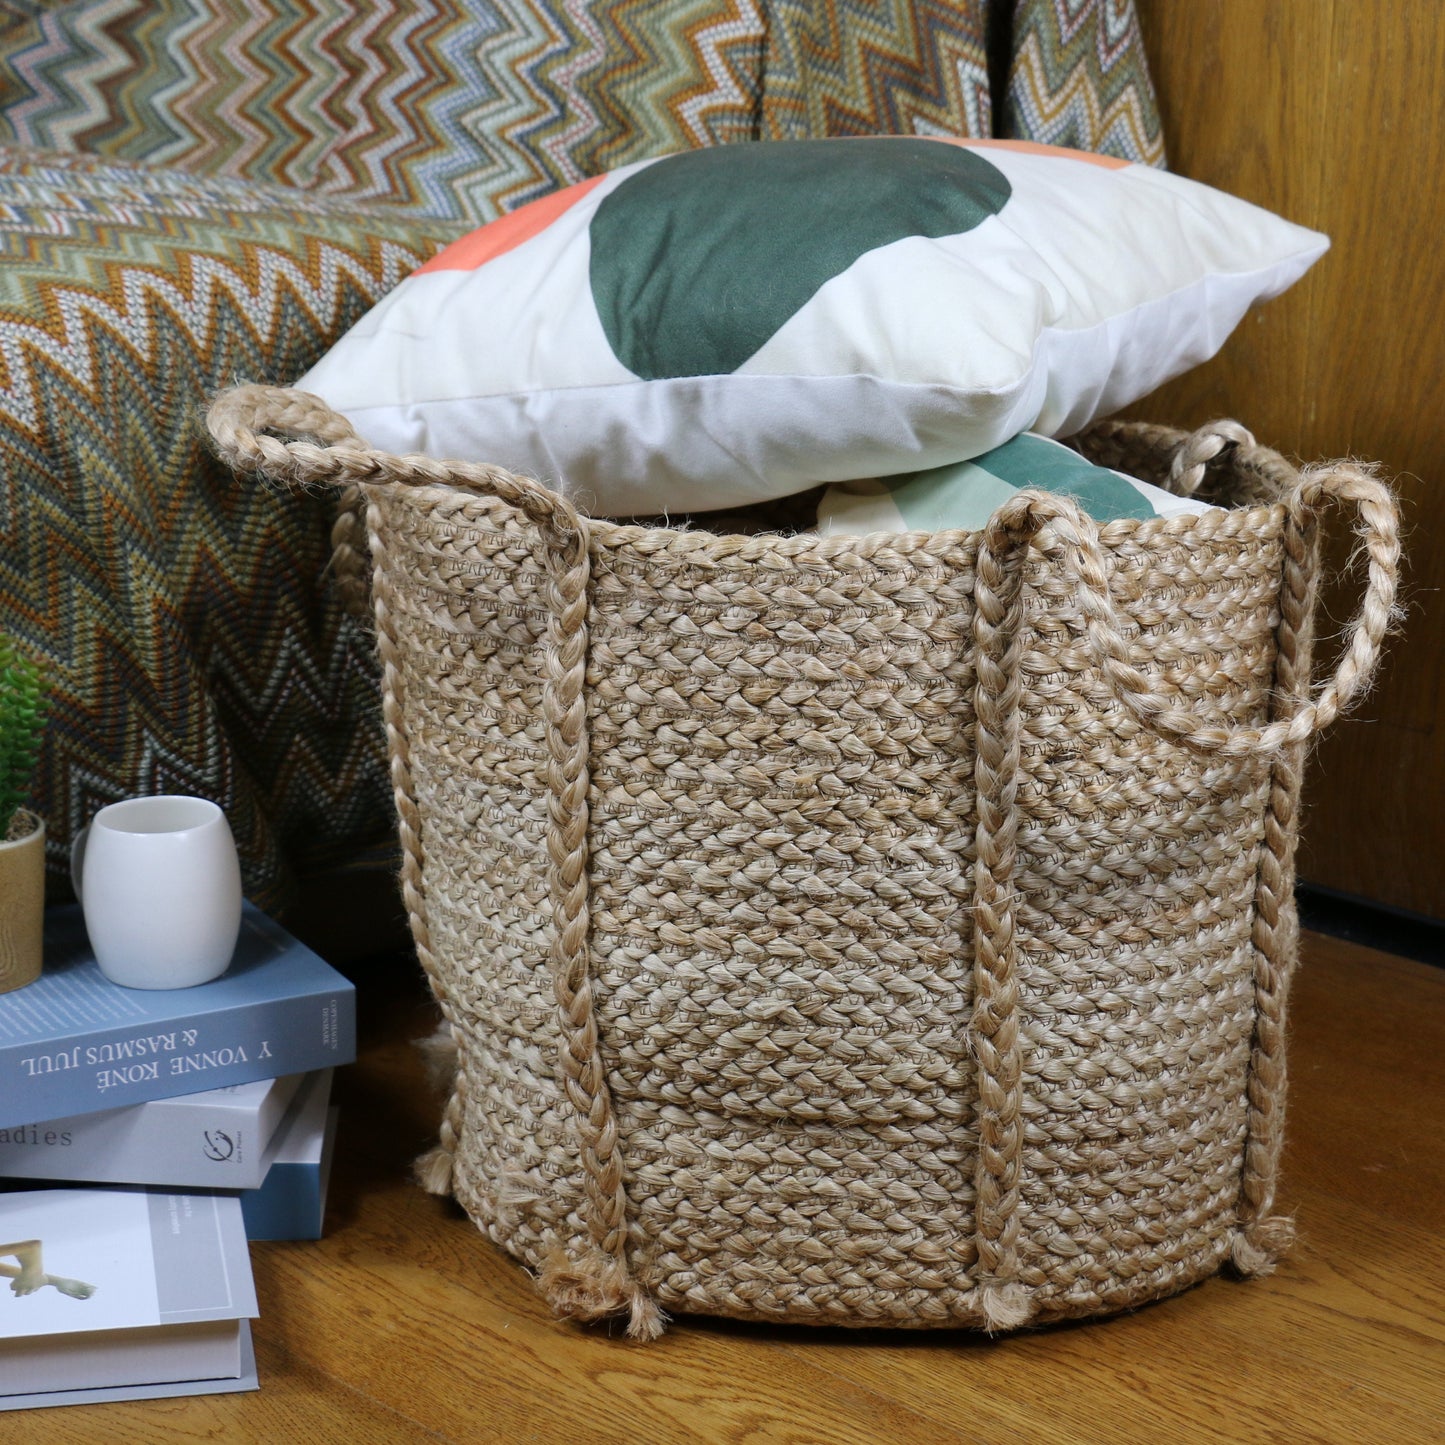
[(22, 902)]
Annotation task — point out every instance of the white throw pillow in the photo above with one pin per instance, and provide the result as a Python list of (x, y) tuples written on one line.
[(741, 322)]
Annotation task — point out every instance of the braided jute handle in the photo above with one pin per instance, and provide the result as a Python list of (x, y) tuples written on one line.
[(1065, 534), (600, 1281)]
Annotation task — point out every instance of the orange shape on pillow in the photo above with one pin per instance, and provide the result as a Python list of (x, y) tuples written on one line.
[(1034, 148), (506, 233)]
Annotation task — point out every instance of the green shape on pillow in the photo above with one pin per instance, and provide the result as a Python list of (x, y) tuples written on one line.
[(1033, 461), (965, 494), (698, 259)]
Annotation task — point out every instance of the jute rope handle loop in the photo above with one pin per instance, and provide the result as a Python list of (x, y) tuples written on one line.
[(600, 1283), (1191, 461), (1063, 531), (241, 422)]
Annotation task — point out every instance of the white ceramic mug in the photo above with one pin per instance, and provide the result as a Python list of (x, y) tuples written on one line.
[(160, 886)]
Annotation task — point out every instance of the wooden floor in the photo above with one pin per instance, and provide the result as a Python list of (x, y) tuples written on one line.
[(405, 1324)]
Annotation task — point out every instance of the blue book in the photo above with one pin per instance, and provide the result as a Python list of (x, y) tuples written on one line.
[(291, 1201), (74, 1043)]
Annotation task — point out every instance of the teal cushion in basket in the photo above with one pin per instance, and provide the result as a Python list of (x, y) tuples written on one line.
[(964, 495), (731, 324)]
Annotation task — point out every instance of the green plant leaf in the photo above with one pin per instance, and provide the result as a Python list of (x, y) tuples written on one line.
[(22, 720)]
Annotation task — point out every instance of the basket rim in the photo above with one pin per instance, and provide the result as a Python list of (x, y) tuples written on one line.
[(692, 542)]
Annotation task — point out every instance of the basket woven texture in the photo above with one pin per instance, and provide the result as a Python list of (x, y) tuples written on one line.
[(888, 930)]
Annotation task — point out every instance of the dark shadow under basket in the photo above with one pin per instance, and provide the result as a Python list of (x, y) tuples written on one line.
[(888, 930)]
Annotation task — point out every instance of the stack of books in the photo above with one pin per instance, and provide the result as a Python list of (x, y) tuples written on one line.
[(183, 1123)]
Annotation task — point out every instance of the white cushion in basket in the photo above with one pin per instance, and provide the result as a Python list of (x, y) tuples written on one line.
[(741, 322)]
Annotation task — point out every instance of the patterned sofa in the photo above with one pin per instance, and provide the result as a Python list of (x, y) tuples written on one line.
[(194, 192)]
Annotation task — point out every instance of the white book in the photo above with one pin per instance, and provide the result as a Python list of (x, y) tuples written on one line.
[(114, 1289), (212, 1140), (247, 1379)]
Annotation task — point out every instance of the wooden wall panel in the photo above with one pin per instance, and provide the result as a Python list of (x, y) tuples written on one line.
[(1332, 112)]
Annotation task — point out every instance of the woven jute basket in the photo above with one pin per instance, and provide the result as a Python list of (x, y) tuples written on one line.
[(887, 930)]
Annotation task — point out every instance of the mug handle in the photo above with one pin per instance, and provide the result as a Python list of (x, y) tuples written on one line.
[(77, 858)]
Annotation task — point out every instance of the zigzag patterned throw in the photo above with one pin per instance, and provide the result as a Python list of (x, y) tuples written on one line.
[(132, 561), (1078, 78), (464, 109), (860, 67), (452, 109)]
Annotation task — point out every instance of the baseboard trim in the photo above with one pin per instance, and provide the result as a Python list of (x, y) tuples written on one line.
[(1373, 925)]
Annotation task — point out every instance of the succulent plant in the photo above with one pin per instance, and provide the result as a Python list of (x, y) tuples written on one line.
[(22, 716)]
